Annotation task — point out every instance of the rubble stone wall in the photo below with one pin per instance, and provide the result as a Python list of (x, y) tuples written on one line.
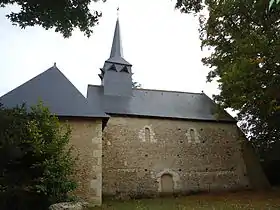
[(199, 156)]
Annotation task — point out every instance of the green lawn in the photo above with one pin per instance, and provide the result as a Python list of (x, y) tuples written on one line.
[(240, 200)]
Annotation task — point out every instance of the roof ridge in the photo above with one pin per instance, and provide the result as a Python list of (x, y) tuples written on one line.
[(158, 90), (169, 91)]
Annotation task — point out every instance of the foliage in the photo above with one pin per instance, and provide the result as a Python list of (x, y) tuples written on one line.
[(136, 85), (35, 162), (272, 2), (62, 15), (245, 38), (190, 6)]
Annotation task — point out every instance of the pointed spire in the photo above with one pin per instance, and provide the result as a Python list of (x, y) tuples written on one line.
[(116, 50), (116, 55)]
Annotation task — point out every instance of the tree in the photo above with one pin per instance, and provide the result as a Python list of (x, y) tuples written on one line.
[(62, 15), (36, 164), (272, 2), (245, 39), (136, 85)]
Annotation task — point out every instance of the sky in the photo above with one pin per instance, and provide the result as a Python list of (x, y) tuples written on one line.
[(161, 43)]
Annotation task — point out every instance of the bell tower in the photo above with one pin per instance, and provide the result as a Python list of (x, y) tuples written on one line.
[(116, 75)]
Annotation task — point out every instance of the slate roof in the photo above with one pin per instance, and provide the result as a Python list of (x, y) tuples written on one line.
[(63, 99), (56, 92), (157, 103)]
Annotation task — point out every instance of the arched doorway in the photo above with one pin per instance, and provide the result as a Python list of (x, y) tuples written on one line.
[(167, 184), (168, 181)]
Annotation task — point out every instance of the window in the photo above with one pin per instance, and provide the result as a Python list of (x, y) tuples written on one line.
[(192, 135), (147, 134)]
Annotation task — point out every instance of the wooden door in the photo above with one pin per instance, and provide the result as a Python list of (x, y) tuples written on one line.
[(167, 185)]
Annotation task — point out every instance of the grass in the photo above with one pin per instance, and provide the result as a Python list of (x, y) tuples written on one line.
[(226, 201)]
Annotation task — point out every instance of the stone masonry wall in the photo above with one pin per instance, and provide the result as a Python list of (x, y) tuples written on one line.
[(87, 141), (199, 156)]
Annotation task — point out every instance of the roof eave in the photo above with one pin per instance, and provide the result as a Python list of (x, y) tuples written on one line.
[(173, 118)]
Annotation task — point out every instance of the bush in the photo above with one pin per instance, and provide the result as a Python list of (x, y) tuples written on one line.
[(36, 165)]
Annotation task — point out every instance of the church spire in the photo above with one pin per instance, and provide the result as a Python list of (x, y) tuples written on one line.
[(116, 50), (116, 55)]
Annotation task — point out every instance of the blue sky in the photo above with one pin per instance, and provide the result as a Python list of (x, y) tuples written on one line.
[(161, 43)]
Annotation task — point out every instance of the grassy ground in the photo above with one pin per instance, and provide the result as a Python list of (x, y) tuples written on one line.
[(229, 201)]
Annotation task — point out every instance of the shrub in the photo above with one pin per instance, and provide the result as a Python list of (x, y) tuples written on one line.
[(36, 165)]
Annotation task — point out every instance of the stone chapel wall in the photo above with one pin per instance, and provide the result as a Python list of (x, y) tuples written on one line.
[(86, 138), (140, 155)]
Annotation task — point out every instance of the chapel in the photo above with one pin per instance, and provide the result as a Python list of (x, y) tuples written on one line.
[(135, 143)]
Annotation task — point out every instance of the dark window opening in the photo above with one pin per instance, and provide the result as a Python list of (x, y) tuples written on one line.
[(192, 135), (147, 134)]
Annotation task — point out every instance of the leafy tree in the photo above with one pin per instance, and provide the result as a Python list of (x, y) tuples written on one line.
[(35, 162), (272, 2), (62, 15), (136, 85), (245, 38)]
